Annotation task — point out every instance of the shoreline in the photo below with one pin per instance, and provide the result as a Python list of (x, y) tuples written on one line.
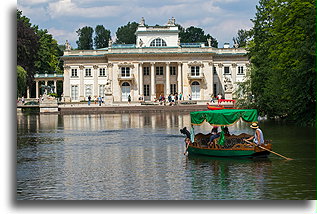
[(128, 109)]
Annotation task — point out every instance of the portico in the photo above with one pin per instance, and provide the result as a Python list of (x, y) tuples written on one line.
[(46, 79)]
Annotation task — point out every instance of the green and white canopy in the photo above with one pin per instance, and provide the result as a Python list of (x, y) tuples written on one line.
[(223, 117)]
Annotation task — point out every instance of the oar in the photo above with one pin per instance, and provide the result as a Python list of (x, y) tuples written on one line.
[(270, 151), (186, 149)]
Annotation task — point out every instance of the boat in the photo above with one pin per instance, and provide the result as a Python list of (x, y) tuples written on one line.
[(215, 107), (226, 145)]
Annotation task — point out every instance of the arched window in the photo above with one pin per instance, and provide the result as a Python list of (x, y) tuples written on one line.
[(158, 42), (195, 83), (125, 84)]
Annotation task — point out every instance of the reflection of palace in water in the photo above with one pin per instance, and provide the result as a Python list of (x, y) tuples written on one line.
[(103, 121)]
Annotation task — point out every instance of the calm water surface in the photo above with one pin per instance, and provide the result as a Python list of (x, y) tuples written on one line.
[(140, 157)]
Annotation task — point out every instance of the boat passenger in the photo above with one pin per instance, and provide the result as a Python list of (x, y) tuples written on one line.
[(226, 131), (214, 134), (187, 141), (258, 137), (185, 132)]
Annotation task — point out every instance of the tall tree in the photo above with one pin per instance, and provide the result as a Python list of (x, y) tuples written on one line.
[(85, 41), (102, 37), (242, 38), (27, 46), (283, 54), (194, 34), (48, 53), (126, 34), (21, 81)]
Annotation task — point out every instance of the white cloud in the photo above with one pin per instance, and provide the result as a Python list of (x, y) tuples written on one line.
[(62, 35), (225, 30), (68, 8), (33, 2)]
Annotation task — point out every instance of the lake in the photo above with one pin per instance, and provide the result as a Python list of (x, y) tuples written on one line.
[(139, 156)]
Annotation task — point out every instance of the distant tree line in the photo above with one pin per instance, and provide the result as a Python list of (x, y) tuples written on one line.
[(36, 51), (88, 38), (282, 52)]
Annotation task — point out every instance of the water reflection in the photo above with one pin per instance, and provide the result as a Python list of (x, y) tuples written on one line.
[(225, 178), (140, 156)]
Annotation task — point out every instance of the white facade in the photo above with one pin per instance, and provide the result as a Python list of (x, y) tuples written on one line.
[(157, 65)]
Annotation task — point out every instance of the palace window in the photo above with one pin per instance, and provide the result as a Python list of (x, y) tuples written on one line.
[(125, 71), (215, 70), (159, 70), (88, 90), (194, 70), (102, 72), (158, 43), (173, 70), (173, 88), (74, 72), (146, 89), (215, 89), (88, 72), (240, 70), (102, 90), (226, 70), (146, 71), (74, 92)]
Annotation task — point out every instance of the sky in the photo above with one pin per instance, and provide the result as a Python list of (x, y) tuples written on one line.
[(62, 18)]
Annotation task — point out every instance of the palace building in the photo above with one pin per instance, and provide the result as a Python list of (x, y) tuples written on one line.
[(158, 64)]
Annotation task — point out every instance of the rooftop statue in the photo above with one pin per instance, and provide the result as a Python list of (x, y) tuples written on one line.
[(67, 46), (142, 22)]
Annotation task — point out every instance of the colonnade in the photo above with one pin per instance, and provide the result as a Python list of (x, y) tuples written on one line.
[(167, 90)]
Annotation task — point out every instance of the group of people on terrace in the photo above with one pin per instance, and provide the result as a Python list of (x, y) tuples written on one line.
[(172, 99)]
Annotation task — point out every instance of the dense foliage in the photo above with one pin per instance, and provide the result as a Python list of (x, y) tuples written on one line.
[(21, 81), (126, 34), (85, 41), (242, 38), (283, 57), (195, 34), (27, 46), (102, 37), (36, 50)]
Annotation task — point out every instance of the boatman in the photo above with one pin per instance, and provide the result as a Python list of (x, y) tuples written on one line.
[(258, 137)]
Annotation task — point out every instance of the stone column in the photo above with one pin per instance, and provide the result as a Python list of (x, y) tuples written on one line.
[(153, 92), (211, 69), (55, 86), (45, 83), (234, 73), (36, 89), (179, 78), (168, 76), (141, 79), (220, 75), (95, 73), (81, 83), (66, 84), (28, 92)]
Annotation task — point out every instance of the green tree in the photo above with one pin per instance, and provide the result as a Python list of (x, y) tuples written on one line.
[(27, 46), (102, 37), (48, 53), (21, 81), (126, 34), (194, 34), (283, 56), (242, 38), (85, 41)]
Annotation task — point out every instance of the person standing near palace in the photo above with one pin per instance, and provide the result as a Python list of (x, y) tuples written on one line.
[(258, 137), (180, 96), (99, 100), (129, 99), (89, 100)]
